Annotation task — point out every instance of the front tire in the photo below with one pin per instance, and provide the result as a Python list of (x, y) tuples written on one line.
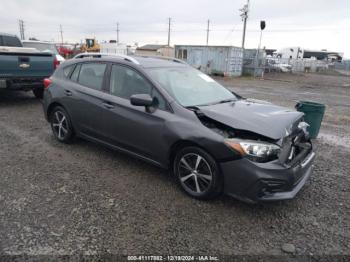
[(61, 125), (198, 173)]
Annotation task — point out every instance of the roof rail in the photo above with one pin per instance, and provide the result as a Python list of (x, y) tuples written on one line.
[(98, 55), (168, 58)]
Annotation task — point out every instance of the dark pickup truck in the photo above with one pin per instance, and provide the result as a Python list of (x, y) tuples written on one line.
[(23, 68)]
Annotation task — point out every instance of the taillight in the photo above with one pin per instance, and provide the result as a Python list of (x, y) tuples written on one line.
[(56, 63), (47, 82)]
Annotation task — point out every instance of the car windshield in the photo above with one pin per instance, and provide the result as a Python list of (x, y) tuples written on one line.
[(43, 47), (191, 87)]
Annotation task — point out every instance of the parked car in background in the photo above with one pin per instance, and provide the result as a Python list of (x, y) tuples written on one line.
[(23, 68), (44, 46), (174, 116)]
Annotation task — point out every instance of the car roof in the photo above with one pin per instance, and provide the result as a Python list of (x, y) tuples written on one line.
[(142, 61), (149, 62)]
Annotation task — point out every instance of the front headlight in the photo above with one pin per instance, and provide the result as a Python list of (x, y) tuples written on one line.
[(256, 151)]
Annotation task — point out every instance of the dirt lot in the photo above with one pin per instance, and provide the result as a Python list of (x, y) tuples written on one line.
[(83, 198)]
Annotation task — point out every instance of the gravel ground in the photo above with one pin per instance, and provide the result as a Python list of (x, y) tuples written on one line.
[(85, 199)]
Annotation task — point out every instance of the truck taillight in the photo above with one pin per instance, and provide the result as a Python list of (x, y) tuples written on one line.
[(47, 82), (56, 63)]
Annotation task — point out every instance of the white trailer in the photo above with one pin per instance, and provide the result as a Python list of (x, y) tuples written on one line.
[(113, 48), (290, 53)]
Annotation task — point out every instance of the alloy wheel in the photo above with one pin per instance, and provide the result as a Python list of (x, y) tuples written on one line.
[(60, 125), (195, 173)]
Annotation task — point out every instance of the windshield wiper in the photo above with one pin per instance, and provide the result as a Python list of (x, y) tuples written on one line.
[(226, 101), (214, 103)]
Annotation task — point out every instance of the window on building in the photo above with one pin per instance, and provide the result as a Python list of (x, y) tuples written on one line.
[(178, 53), (184, 54)]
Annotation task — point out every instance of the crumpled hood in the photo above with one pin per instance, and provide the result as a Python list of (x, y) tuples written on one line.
[(261, 118)]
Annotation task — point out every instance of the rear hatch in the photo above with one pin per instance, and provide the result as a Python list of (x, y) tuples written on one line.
[(18, 62)]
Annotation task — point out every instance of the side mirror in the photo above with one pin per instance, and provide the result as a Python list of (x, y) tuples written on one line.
[(141, 100)]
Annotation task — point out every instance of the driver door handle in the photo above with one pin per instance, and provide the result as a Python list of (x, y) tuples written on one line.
[(108, 105), (68, 93)]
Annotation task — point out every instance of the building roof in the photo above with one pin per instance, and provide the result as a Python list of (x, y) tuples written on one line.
[(151, 47), (209, 46)]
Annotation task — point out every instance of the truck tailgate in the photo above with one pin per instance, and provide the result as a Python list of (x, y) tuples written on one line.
[(19, 64)]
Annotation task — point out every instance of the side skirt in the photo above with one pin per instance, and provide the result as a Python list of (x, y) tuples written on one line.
[(122, 150)]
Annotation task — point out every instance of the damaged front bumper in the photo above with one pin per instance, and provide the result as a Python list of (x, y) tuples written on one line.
[(255, 182)]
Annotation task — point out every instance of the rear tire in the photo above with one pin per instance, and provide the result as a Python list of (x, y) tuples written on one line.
[(197, 173), (61, 125), (38, 92)]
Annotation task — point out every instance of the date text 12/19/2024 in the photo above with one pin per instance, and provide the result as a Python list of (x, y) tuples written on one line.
[(173, 258)]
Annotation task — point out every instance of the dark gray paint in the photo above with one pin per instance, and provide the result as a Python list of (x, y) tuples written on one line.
[(264, 119), (153, 135)]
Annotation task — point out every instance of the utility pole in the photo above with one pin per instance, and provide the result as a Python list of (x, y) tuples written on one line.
[(208, 31), (61, 31), (244, 16), (21, 29), (118, 33), (262, 27), (169, 31)]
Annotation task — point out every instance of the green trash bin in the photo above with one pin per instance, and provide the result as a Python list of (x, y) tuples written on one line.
[(313, 115)]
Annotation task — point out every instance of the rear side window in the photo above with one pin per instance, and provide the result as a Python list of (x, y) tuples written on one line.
[(91, 75), (75, 75), (47, 47), (11, 41)]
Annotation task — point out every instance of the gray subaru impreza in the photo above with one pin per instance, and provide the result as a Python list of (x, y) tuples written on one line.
[(167, 113)]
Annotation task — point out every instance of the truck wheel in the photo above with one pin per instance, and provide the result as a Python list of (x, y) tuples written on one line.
[(198, 173), (38, 93), (61, 125)]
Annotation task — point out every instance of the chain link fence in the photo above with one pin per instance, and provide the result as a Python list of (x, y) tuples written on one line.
[(256, 63)]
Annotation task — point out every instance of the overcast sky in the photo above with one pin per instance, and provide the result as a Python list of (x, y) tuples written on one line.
[(314, 24)]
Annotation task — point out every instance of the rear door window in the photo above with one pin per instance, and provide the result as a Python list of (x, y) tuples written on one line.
[(91, 75)]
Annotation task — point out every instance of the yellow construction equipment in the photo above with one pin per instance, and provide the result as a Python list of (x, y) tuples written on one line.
[(90, 45)]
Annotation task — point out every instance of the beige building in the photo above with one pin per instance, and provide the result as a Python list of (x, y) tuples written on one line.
[(155, 50)]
